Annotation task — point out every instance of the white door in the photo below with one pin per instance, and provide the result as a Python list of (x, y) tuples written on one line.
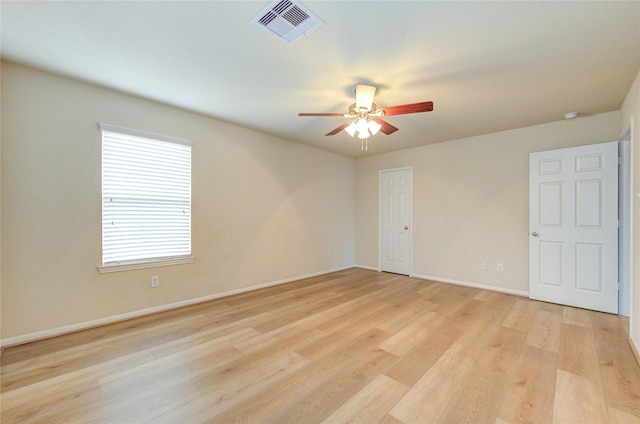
[(573, 226), (395, 220)]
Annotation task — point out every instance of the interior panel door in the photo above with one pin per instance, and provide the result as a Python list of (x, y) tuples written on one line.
[(395, 221), (573, 226)]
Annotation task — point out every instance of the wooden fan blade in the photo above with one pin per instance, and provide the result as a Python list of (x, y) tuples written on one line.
[(387, 128), (410, 108), (321, 114), (337, 130)]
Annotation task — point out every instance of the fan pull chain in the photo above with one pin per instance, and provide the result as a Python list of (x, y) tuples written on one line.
[(364, 144)]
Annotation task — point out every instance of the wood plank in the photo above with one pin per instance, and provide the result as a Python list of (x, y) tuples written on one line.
[(621, 377), (274, 398), (44, 392), (472, 311), (608, 328), (577, 352), (314, 349), (317, 404), (429, 397), (402, 341), (411, 366), (371, 404), (229, 385), (530, 391), (522, 315), (619, 417), (486, 296), (406, 313), (576, 316), (449, 300), (578, 400), (208, 356), (441, 382), (545, 331), (478, 398)]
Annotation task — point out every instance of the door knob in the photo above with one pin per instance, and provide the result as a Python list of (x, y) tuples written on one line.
[(534, 234), (406, 227)]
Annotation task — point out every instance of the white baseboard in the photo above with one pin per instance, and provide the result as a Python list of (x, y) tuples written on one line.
[(474, 285), (39, 335), (635, 348), (370, 268), (460, 283)]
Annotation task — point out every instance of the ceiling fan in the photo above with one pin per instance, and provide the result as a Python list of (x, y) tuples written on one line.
[(366, 119)]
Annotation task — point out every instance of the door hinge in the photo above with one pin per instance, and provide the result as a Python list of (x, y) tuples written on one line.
[(619, 160), (619, 223), (619, 286)]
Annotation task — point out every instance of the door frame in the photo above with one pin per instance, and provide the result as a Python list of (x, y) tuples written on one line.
[(625, 214), (410, 208)]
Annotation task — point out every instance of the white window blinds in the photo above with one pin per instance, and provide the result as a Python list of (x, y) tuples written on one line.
[(146, 197)]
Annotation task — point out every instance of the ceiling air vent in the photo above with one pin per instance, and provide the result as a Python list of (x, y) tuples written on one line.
[(288, 20)]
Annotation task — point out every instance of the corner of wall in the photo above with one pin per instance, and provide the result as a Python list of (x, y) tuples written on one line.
[(630, 116), (1, 346)]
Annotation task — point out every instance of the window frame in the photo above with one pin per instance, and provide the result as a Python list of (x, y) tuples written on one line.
[(132, 264)]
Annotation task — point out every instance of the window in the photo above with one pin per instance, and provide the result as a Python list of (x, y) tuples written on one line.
[(146, 200)]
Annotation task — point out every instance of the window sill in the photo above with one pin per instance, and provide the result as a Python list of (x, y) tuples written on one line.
[(103, 269)]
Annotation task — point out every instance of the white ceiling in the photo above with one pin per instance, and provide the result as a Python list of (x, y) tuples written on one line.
[(487, 66)]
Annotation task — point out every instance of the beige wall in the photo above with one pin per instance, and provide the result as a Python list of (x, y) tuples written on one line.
[(631, 111), (471, 200), (264, 209), (0, 213)]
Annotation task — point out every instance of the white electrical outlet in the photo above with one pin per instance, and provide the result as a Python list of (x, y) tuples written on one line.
[(155, 281), (500, 267), (483, 266)]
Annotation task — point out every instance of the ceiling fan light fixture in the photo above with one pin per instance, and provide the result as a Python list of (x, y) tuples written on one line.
[(351, 129), (362, 126), (374, 127)]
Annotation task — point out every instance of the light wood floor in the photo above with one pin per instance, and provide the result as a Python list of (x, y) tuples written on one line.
[(352, 346)]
